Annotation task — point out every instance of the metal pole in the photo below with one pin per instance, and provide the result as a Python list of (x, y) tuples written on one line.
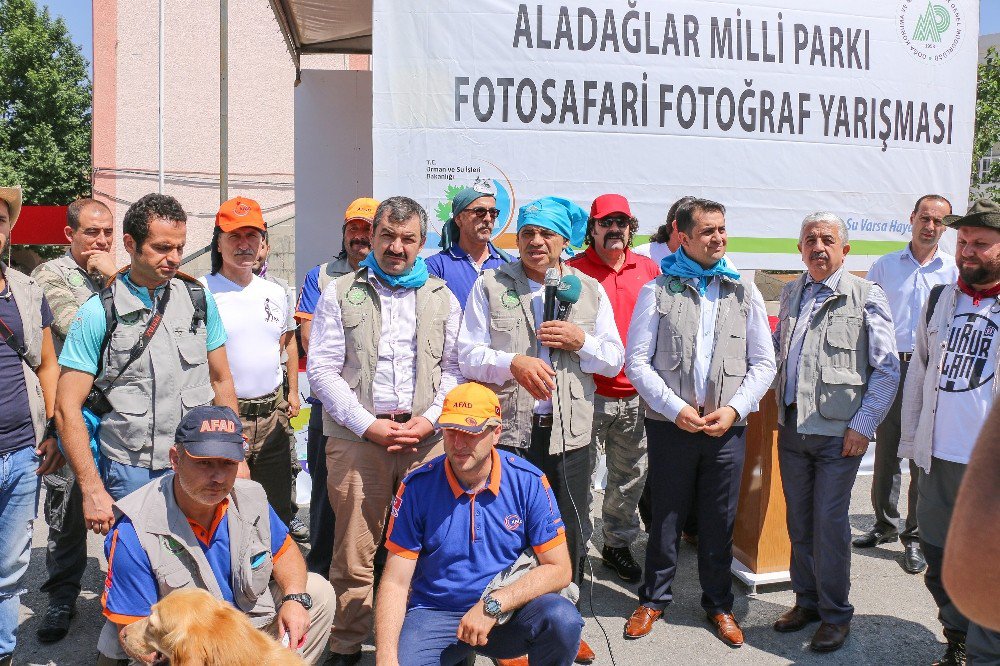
[(159, 110), (223, 100)]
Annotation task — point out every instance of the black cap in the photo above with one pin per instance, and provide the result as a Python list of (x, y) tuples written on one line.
[(212, 432)]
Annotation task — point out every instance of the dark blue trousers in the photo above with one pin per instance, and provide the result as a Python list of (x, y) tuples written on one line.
[(692, 470), (320, 513), (547, 629)]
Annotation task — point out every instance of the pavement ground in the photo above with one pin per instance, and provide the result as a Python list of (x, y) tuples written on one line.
[(895, 621)]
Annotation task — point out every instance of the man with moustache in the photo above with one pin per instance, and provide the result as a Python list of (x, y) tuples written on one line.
[(382, 359), (907, 277), (701, 357), (837, 374), (618, 429), (465, 240), (950, 387), (356, 244), (68, 282), (543, 371)]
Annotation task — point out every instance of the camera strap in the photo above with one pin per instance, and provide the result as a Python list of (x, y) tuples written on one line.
[(13, 342)]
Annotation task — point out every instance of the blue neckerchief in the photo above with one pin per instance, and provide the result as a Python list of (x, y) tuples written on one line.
[(411, 279), (683, 266)]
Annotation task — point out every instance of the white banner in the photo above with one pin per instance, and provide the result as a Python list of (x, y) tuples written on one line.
[(852, 106)]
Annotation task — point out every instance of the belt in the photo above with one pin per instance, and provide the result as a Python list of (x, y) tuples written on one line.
[(401, 417), (905, 356), (252, 408), (701, 411), (541, 420)]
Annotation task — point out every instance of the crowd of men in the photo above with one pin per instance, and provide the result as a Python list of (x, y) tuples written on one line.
[(459, 404)]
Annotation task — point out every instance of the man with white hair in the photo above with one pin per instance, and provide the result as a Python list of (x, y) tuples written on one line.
[(837, 375)]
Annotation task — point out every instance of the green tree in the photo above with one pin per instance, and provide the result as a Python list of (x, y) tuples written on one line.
[(45, 106), (987, 126)]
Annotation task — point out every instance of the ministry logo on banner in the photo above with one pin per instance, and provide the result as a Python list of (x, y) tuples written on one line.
[(932, 30), (966, 361)]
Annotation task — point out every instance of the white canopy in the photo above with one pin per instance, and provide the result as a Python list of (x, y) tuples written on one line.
[(325, 26)]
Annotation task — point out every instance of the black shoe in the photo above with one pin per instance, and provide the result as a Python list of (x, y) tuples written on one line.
[(337, 659), (954, 655), (298, 530), (55, 624), (874, 537), (913, 558), (621, 560)]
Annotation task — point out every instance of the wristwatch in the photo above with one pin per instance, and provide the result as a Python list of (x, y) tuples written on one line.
[(303, 598), (491, 606)]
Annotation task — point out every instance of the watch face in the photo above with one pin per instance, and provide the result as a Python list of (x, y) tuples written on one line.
[(492, 606)]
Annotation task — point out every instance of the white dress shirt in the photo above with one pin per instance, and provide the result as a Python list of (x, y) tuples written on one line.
[(395, 368), (602, 352), (655, 251), (651, 386), (908, 285)]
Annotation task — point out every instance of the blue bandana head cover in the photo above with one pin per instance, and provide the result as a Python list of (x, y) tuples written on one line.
[(461, 201), (559, 215), (414, 278)]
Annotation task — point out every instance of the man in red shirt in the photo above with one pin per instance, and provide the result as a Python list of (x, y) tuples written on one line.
[(618, 413)]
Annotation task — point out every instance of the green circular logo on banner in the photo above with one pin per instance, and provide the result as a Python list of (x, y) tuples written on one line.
[(675, 285), (75, 280), (509, 299), (356, 296)]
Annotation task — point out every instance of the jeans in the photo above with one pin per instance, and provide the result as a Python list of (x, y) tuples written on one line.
[(121, 479), (547, 629), (19, 488)]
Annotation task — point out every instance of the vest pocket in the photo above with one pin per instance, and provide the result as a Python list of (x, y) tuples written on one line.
[(192, 347), (254, 575), (351, 375), (843, 332), (504, 324), (197, 396), (130, 418), (581, 408), (839, 393), (734, 371), (175, 579), (351, 317)]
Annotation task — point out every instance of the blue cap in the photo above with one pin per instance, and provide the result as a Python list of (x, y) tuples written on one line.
[(212, 432), (559, 215)]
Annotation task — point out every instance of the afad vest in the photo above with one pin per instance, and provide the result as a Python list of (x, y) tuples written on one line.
[(512, 329), (28, 297), (178, 562), (833, 368), (361, 315), (678, 305), (169, 379)]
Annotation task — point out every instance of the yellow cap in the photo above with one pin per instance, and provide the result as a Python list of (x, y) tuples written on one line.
[(361, 209), (470, 407)]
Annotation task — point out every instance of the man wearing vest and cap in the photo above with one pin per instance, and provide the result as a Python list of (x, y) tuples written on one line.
[(28, 448), (951, 385), (357, 243), (258, 324), (69, 281), (543, 371), (837, 375), (466, 250), (381, 361), (461, 526), (182, 531), (700, 355), (618, 430)]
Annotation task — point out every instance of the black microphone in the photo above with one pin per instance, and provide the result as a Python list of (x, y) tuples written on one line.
[(551, 287), (568, 293)]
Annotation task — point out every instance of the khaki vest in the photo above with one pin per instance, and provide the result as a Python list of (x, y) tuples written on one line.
[(677, 333), (512, 329), (170, 378), (332, 270), (361, 316), (833, 368), (28, 297), (178, 561), (81, 286)]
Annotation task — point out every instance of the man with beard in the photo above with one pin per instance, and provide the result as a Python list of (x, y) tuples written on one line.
[(355, 247), (618, 429), (465, 240), (907, 277), (837, 375), (950, 388)]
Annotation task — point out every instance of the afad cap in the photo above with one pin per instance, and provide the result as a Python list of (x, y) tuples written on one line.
[(610, 204), (240, 212), (212, 432), (361, 209), (470, 407)]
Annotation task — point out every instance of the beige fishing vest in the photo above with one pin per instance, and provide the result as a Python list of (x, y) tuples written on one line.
[(28, 296)]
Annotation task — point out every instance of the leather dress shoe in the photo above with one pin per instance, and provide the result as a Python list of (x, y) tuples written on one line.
[(337, 659), (874, 537), (641, 622), (913, 558), (585, 654), (829, 637), (795, 618), (727, 628), (516, 661)]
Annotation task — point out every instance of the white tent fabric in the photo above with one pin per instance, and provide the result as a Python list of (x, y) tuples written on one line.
[(325, 26)]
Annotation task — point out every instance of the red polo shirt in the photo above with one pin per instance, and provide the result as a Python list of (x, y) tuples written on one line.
[(622, 288)]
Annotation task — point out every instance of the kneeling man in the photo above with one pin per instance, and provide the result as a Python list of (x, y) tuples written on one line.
[(459, 521), (181, 531)]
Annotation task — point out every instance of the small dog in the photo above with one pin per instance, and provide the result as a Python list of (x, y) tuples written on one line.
[(193, 628)]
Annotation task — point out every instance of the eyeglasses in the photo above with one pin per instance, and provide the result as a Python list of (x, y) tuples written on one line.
[(620, 222), (482, 211)]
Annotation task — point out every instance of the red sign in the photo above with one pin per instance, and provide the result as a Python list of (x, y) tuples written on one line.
[(40, 225)]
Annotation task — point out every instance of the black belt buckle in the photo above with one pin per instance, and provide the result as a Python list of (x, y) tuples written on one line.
[(905, 356), (541, 420), (396, 418), (701, 411)]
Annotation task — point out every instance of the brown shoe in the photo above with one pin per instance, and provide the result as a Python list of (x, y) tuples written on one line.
[(516, 661), (585, 654), (795, 619), (641, 622), (727, 628), (829, 637)]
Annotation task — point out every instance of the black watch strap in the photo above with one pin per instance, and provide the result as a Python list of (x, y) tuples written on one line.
[(302, 598)]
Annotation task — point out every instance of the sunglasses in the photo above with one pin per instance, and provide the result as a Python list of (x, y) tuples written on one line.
[(482, 211), (620, 222)]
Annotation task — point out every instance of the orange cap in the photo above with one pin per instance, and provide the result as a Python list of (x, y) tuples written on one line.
[(470, 407), (240, 212), (361, 209)]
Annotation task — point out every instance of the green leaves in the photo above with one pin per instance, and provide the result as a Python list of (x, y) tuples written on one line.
[(987, 132)]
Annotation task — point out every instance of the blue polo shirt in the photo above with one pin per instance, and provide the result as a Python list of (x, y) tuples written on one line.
[(456, 268), (461, 540)]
